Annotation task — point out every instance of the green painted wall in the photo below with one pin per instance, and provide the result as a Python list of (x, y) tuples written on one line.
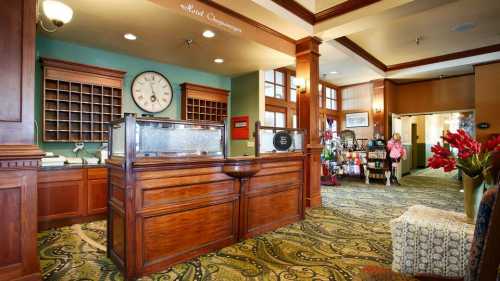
[(46, 47), (245, 101)]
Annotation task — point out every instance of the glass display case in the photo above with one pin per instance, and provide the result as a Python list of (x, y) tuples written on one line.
[(278, 140), (141, 137)]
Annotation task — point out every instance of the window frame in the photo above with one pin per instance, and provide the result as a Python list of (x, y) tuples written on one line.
[(276, 85)]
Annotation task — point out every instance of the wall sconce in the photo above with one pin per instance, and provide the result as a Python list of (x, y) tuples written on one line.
[(378, 107), (56, 12), (301, 85)]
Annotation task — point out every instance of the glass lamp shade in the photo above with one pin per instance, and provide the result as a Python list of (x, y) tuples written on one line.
[(58, 12)]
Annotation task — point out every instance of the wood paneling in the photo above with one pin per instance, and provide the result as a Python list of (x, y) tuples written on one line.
[(17, 54), (307, 68), (334, 11), (171, 212), (10, 200), (18, 156), (487, 98), (170, 237), (70, 196), (18, 257), (97, 196), (58, 200), (436, 95)]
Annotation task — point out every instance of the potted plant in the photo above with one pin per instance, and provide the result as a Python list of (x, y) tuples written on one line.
[(473, 158)]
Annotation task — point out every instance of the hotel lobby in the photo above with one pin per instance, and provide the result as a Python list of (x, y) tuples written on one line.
[(250, 140)]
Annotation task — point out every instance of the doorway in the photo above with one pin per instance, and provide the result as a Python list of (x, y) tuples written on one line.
[(419, 132)]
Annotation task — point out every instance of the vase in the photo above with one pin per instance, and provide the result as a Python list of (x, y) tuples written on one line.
[(473, 193)]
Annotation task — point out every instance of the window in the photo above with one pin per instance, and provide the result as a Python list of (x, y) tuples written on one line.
[(274, 119), (331, 98), (320, 95), (293, 89), (275, 84), (294, 121)]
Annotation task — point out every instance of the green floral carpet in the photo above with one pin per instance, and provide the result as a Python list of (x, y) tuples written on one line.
[(332, 243)]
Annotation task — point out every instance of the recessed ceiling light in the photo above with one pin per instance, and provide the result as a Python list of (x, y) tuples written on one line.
[(333, 72), (218, 60), (208, 34), (130, 36)]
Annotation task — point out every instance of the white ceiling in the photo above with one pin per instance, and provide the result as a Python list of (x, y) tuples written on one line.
[(388, 35), (350, 68), (394, 41), (162, 35)]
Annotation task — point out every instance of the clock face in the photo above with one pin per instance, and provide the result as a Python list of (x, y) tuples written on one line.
[(152, 92)]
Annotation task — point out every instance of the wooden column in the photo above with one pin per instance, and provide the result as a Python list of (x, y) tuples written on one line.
[(307, 69), (18, 156)]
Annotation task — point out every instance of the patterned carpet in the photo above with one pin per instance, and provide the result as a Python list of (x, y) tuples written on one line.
[(332, 243)]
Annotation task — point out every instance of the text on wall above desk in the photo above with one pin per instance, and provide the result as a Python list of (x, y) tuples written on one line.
[(79, 101)]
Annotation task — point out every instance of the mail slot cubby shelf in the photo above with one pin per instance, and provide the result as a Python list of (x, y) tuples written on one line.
[(79, 101), (202, 103)]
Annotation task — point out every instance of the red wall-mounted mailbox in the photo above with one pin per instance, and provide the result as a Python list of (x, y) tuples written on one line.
[(239, 127)]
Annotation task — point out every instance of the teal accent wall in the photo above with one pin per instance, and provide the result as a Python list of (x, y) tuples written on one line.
[(50, 48), (245, 101)]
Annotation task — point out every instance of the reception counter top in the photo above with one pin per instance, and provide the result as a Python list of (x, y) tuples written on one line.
[(166, 211), (71, 166)]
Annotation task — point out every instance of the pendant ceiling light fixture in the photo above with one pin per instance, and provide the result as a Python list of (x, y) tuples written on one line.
[(56, 12)]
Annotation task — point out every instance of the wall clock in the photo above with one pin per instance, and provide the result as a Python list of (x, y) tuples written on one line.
[(152, 91)]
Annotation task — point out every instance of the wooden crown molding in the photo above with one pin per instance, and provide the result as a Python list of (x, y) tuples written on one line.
[(248, 20), (351, 45), (334, 11), (446, 57), (15, 152), (429, 79), (342, 8), (83, 67), (298, 10)]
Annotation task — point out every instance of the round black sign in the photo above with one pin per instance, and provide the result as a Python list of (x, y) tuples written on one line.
[(282, 141)]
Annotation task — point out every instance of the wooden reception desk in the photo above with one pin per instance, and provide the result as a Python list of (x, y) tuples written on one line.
[(163, 212)]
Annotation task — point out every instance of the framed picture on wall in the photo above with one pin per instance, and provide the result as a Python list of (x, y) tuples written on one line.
[(359, 119)]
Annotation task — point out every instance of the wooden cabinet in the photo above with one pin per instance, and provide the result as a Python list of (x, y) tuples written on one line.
[(169, 204), (18, 156), (70, 196), (203, 103), (97, 196), (79, 101)]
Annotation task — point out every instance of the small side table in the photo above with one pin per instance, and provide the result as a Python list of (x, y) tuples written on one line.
[(431, 241)]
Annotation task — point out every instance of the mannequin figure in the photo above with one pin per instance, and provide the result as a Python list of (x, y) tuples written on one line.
[(396, 152)]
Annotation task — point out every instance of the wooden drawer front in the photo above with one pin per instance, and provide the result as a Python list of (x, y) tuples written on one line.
[(177, 181), (271, 181), (273, 210), (170, 237), (97, 173), (60, 175), (97, 191), (147, 175), (182, 194), (279, 167), (58, 200)]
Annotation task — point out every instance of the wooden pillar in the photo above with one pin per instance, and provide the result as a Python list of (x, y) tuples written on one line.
[(19, 158), (307, 70)]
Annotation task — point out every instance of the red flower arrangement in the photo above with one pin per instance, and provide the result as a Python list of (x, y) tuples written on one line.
[(474, 158)]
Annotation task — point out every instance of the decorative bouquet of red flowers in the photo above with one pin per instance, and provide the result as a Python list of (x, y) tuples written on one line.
[(474, 158)]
